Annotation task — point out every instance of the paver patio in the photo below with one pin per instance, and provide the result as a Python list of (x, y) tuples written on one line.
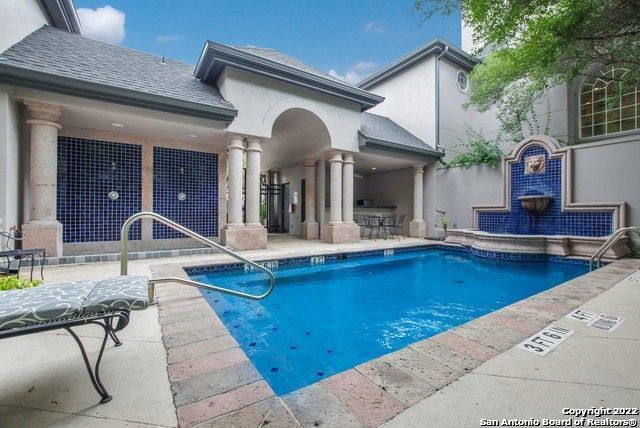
[(178, 355)]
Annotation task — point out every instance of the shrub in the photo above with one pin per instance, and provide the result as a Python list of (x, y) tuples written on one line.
[(14, 283)]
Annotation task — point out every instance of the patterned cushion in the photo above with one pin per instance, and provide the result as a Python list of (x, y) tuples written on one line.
[(120, 292), (19, 308)]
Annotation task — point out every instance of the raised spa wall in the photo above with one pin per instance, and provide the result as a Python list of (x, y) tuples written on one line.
[(537, 214)]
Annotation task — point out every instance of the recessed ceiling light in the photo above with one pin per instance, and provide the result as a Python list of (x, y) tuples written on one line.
[(118, 124), (374, 168), (192, 135)]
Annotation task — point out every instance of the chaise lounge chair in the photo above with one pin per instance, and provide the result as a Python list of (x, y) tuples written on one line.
[(106, 303)]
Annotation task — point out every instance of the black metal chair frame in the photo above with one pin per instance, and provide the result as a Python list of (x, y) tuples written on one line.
[(19, 255), (15, 235), (111, 323)]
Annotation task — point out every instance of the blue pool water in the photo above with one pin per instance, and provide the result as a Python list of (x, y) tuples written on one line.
[(323, 319)]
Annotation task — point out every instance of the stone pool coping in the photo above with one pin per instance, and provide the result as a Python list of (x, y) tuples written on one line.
[(214, 381)]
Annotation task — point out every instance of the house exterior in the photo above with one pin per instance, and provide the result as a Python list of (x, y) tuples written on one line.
[(250, 139)]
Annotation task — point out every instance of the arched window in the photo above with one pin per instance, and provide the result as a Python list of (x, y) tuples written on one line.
[(609, 105)]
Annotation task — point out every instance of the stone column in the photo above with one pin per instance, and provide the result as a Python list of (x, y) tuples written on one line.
[(347, 189), (237, 235), (417, 226), (309, 228), (235, 151), (252, 192), (43, 230), (335, 195), (341, 229)]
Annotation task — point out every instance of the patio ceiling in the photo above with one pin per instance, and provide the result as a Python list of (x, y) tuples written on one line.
[(84, 113), (369, 163)]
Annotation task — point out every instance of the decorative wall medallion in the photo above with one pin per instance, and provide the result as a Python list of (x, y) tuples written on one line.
[(182, 196), (534, 164), (113, 195)]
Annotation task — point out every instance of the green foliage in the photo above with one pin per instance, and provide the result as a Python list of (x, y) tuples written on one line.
[(476, 150), (538, 44), (14, 283), (444, 222)]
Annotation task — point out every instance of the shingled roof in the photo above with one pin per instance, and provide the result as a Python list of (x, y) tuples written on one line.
[(383, 133), (279, 66), (55, 60), (284, 59)]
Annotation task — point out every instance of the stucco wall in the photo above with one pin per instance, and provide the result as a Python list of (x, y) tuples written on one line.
[(260, 101), (18, 19), (409, 99), (10, 201), (393, 188)]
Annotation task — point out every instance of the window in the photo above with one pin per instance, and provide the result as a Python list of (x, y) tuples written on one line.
[(608, 105), (463, 81)]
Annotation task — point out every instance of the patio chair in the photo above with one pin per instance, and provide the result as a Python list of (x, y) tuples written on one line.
[(359, 220), (13, 257), (105, 303), (387, 225), (397, 229), (372, 225)]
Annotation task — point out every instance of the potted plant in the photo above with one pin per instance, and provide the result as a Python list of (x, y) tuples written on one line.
[(445, 223)]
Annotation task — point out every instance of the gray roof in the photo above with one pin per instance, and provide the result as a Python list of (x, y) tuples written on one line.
[(277, 65), (56, 60), (434, 47), (382, 132), (284, 59)]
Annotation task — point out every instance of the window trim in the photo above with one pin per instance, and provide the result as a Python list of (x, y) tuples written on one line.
[(612, 135), (466, 75)]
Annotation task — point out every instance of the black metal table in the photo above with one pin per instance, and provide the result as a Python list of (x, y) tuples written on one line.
[(19, 255)]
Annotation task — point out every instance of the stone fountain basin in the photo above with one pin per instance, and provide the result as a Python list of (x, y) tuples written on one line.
[(535, 204), (557, 245)]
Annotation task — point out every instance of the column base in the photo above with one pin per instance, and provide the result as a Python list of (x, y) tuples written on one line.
[(417, 229), (45, 234), (244, 237), (309, 230), (341, 233)]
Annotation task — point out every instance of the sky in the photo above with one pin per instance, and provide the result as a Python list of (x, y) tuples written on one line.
[(349, 39)]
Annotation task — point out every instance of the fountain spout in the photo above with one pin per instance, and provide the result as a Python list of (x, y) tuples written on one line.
[(535, 204)]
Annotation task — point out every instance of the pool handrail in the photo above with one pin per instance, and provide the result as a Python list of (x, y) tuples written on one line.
[(597, 256), (124, 236)]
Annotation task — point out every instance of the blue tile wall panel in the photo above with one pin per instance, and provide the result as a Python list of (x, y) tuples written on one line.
[(552, 221), (185, 190), (87, 171)]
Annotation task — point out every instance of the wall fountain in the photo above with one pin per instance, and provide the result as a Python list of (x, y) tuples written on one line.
[(538, 214)]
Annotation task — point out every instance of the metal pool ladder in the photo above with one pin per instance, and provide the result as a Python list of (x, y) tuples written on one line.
[(597, 256), (124, 236)]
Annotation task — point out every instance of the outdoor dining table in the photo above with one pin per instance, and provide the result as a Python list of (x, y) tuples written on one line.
[(379, 223)]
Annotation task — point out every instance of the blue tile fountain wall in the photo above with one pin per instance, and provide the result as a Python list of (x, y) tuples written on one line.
[(185, 190), (88, 170), (552, 221)]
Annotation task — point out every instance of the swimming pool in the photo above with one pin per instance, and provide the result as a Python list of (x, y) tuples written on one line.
[(325, 318)]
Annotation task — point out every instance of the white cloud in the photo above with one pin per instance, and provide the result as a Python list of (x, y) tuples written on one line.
[(103, 23), (169, 38), (373, 27), (356, 72)]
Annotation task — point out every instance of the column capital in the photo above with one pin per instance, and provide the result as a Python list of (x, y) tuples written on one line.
[(336, 157), (253, 144), (310, 163), (235, 142), (418, 169), (43, 113), (348, 158)]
